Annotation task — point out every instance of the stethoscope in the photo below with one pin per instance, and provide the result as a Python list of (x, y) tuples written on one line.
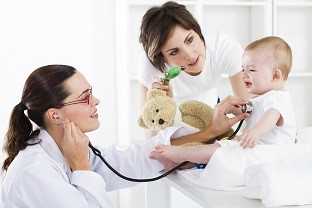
[(98, 153), (245, 108)]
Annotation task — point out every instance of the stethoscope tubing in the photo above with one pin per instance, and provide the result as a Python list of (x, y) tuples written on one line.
[(98, 153)]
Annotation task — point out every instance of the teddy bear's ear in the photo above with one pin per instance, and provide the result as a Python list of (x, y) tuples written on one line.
[(141, 122), (155, 92)]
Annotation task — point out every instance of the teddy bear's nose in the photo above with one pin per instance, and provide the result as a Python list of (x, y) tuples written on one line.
[(161, 121)]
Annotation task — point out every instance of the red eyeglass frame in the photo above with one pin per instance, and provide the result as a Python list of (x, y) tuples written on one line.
[(87, 99)]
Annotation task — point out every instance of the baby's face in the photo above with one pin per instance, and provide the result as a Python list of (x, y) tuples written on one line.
[(257, 68)]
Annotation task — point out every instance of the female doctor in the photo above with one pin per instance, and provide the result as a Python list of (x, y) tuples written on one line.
[(52, 166)]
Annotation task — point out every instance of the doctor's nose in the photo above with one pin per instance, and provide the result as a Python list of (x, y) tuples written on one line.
[(95, 101)]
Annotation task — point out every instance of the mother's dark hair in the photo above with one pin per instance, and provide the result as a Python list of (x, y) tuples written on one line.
[(43, 89), (158, 22)]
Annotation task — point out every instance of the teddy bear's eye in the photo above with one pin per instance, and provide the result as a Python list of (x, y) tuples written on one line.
[(153, 121), (157, 110)]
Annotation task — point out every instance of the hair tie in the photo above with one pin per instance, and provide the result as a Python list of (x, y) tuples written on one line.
[(22, 106)]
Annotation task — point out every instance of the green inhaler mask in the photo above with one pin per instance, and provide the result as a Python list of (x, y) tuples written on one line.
[(171, 73)]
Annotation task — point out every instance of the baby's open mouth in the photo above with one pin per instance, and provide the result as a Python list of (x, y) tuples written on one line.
[(248, 84)]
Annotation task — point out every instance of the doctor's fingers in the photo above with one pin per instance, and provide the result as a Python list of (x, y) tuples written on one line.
[(224, 108), (67, 140), (67, 127), (78, 135), (67, 132), (230, 105), (235, 110), (237, 118)]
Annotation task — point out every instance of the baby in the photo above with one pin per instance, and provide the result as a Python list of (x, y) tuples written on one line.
[(266, 65)]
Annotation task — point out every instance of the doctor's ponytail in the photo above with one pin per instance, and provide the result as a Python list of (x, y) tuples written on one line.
[(43, 89), (20, 131)]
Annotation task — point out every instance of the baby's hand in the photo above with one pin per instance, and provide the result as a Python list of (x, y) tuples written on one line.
[(248, 138)]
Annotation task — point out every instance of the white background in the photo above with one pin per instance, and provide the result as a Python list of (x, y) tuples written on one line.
[(100, 39)]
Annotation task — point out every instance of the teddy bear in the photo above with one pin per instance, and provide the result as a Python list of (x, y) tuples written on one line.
[(160, 111)]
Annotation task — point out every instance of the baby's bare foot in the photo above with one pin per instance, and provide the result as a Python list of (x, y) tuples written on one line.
[(179, 154), (173, 153)]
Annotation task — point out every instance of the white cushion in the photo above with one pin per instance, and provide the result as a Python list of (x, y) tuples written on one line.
[(304, 135)]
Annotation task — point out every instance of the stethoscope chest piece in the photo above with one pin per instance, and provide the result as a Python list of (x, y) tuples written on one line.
[(247, 108)]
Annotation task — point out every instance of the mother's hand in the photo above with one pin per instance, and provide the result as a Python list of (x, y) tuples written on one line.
[(74, 146), (230, 105), (160, 85)]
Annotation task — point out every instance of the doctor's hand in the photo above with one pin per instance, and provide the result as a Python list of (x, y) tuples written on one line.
[(74, 146), (220, 121)]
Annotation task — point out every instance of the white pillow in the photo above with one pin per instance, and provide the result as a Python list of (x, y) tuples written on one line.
[(283, 185), (304, 135), (282, 182)]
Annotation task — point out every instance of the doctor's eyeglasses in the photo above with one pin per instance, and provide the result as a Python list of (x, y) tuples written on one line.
[(86, 98)]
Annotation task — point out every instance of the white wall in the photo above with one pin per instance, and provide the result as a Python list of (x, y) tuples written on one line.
[(74, 32), (82, 33)]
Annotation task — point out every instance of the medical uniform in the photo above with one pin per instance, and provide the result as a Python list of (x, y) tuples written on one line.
[(223, 56), (40, 177)]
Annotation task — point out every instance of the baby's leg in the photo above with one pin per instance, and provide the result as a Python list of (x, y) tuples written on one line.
[(178, 154)]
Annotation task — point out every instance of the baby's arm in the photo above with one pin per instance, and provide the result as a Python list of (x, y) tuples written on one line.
[(269, 120)]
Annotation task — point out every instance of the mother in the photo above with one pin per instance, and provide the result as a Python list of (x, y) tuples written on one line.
[(171, 36)]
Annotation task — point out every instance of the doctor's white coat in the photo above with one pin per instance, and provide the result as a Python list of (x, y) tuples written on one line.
[(39, 176)]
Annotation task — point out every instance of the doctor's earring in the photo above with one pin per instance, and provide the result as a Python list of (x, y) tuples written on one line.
[(57, 119), (55, 116)]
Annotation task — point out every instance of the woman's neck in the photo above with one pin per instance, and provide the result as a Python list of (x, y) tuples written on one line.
[(57, 133)]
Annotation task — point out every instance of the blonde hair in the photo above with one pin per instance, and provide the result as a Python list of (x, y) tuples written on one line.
[(281, 52)]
